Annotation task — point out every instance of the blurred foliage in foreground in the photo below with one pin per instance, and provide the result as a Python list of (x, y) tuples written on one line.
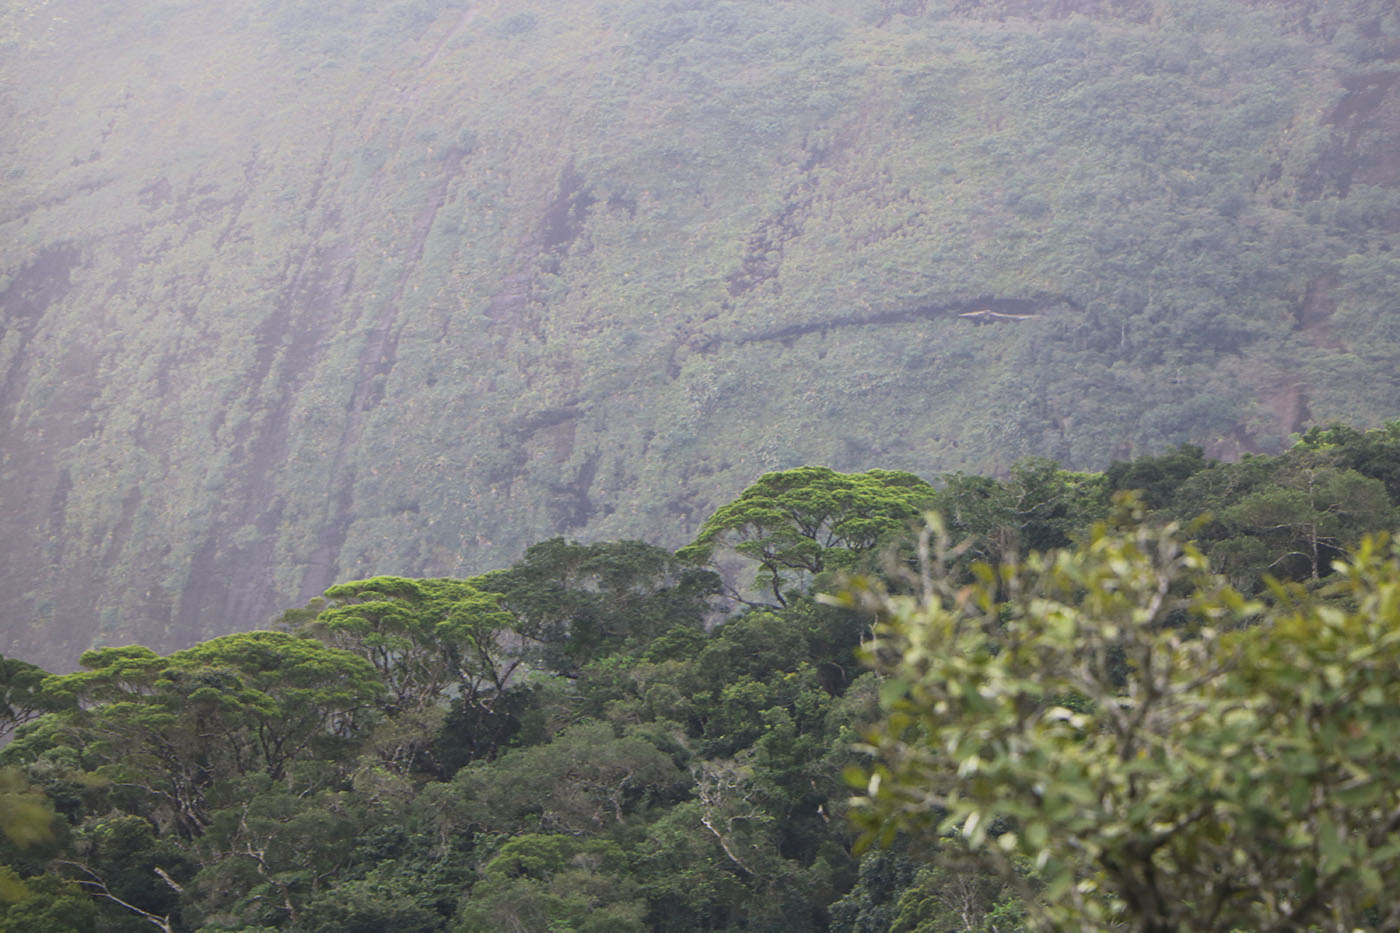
[(1155, 750)]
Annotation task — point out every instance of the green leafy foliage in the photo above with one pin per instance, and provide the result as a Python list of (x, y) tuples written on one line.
[(1288, 516), (423, 637), (1166, 753), (553, 882), (579, 602), (810, 520), (46, 904), (1038, 507), (171, 729), (583, 741), (579, 782), (25, 815), (428, 639), (21, 696)]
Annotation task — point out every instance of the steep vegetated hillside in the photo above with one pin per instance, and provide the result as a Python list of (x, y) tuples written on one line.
[(296, 292)]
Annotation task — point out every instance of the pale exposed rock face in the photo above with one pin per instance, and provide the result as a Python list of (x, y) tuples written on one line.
[(295, 293)]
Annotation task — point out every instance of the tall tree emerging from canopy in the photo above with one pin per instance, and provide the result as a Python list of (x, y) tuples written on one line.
[(172, 727), (429, 641), (808, 520), (1037, 507), (582, 601), (424, 637), (1168, 755), (21, 696)]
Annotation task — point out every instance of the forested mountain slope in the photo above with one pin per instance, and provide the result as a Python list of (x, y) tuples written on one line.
[(571, 744), (296, 292)]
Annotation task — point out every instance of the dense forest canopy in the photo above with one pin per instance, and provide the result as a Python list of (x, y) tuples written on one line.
[(1054, 715), (295, 293)]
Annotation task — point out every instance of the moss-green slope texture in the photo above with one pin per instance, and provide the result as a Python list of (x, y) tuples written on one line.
[(295, 292)]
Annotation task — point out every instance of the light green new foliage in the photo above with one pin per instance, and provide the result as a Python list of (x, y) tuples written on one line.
[(172, 727), (424, 637), (1167, 754), (811, 519)]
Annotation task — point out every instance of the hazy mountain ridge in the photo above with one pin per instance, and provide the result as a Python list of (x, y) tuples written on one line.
[(300, 293)]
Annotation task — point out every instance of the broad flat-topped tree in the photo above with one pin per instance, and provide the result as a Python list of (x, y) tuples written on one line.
[(802, 522), (172, 727)]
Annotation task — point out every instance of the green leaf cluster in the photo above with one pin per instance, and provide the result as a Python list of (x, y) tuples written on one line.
[(802, 522), (1166, 753)]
